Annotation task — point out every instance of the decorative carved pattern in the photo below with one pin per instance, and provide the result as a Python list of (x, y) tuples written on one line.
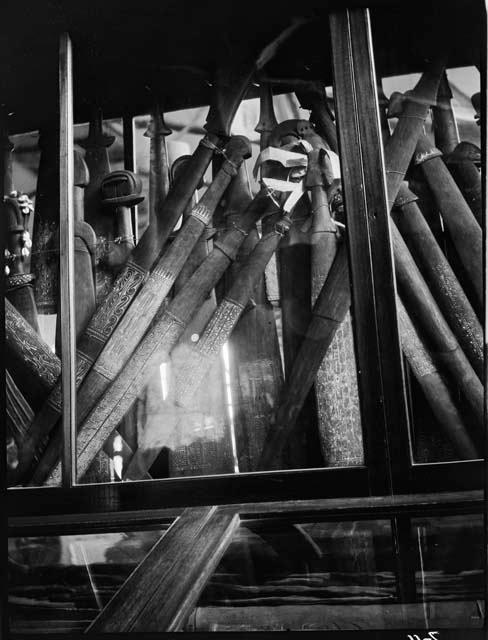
[(45, 266), (196, 365), (37, 356), (19, 280), (202, 213), (83, 364), (220, 327), (118, 399), (55, 399), (114, 306)]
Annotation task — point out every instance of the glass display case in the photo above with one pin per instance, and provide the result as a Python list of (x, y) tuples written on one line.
[(244, 318)]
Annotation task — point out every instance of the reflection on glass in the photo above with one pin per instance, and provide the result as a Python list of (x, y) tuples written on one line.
[(438, 269), (61, 583), (449, 559), (204, 401), (302, 576)]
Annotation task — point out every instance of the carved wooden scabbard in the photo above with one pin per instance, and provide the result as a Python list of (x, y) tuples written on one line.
[(226, 316), (464, 230), (336, 386), (462, 164), (45, 241), (446, 135), (162, 337), (328, 313), (435, 389), (440, 277)]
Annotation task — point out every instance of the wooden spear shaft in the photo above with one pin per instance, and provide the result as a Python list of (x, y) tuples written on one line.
[(158, 342), (440, 277), (129, 331), (464, 230)]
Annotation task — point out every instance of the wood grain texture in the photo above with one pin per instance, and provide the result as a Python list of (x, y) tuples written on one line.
[(160, 594), (125, 607), (67, 260)]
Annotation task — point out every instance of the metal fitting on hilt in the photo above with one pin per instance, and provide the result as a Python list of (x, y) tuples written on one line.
[(121, 188), (283, 225)]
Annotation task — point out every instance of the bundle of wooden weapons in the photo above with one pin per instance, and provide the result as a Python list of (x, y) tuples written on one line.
[(181, 298)]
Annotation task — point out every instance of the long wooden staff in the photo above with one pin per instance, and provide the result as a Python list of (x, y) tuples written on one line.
[(158, 342), (440, 277), (126, 335), (464, 230), (446, 135), (462, 164)]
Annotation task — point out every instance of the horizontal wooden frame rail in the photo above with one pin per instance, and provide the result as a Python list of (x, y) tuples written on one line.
[(267, 513)]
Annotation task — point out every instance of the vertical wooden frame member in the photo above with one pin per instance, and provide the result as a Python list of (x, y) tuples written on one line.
[(381, 388), (130, 162), (66, 271)]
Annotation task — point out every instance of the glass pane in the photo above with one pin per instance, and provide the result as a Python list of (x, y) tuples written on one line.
[(344, 576), (33, 349), (436, 226), (61, 583), (449, 566), (199, 395), (302, 576), (439, 309)]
